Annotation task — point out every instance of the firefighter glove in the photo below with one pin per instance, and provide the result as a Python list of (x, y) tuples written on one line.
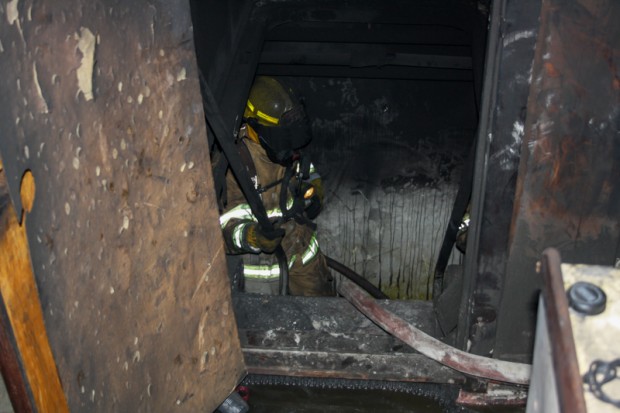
[(257, 239)]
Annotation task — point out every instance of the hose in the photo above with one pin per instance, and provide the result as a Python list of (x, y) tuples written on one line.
[(356, 278), (467, 363)]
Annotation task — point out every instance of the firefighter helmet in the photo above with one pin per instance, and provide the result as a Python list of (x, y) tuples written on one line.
[(268, 101), (278, 119)]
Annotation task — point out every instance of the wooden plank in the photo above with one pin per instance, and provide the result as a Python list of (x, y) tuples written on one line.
[(496, 396), (101, 100), (390, 367), (563, 354), (14, 380), (20, 299)]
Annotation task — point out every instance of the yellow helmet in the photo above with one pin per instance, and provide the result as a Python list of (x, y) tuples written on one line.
[(268, 101), (278, 119)]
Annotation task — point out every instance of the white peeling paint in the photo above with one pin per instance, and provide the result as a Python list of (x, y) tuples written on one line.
[(513, 37), (181, 75), (120, 86), (114, 153), (76, 163), (160, 115), (182, 169), (140, 98), (129, 99), (67, 208), (27, 152), (517, 132), (41, 104), (190, 165), (97, 171), (12, 14), (1, 47), (86, 45)]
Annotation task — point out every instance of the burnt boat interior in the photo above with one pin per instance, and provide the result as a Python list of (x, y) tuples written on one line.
[(393, 92), (491, 126)]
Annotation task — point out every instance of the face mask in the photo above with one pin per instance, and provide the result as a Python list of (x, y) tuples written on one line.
[(281, 141)]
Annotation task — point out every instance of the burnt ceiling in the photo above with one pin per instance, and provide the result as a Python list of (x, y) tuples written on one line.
[(388, 40)]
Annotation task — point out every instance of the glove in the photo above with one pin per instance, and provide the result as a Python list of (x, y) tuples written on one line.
[(256, 239), (313, 197)]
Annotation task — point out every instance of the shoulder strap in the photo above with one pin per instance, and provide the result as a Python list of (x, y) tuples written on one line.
[(246, 159)]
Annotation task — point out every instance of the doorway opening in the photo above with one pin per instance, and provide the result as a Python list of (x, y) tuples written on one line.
[(391, 90)]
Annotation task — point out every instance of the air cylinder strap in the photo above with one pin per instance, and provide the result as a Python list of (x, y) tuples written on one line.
[(215, 120)]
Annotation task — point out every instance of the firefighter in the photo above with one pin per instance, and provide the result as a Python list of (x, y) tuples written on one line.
[(275, 128)]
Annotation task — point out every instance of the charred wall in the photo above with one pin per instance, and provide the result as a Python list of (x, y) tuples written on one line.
[(391, 90)]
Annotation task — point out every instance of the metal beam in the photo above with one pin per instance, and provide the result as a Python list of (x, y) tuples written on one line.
[(510, 53)]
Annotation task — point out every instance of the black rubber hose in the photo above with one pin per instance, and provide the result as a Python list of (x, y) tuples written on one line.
[(283, 264), (356, 278)]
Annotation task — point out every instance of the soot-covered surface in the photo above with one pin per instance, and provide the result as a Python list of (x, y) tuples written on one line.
[(390, 153)]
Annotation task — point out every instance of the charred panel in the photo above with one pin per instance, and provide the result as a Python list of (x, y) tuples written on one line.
[(500, 134), (568, 193)]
